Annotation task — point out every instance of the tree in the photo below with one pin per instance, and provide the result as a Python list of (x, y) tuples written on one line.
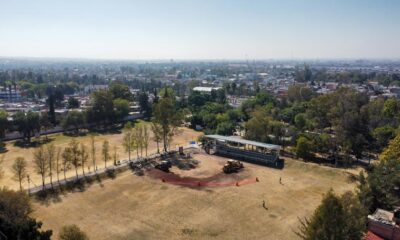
[(144, 104), (166, 115), (84, 157), (102, 107), (380, 188), (93, 151), (120, 90), (304, 148), (72, 232), (58, 165), (121, 108), (51, 155), (41, 163), (146, 137), (138, 133), (3, 123), (72, 103), (115, 155), (45, 123), (67, 158), (19, 169), (128, 141), (75, 155), (15, 220), (27, 124), (74, 119), (157, 134), (105, 151), (338, 217)]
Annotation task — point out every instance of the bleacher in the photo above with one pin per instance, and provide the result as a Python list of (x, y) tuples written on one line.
[(247, 155)]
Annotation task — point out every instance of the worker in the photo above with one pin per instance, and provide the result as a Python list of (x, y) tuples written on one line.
[(280, 180)]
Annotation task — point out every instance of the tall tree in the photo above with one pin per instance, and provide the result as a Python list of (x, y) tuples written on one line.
[(105, 151), (128, 141), (27, 124), (66, 156), (3, 123), (146, 137), (84, 157), (115, 155), (41, 163), (15, 218), (75, 155), (58, 165), (166, 114), (338, 217), (93, 151), (157, 134), (51, 155), (19, 170)]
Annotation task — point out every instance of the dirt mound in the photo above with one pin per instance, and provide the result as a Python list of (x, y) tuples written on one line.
[(220, 179)]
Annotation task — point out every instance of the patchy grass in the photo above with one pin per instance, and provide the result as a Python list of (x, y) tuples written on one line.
[(14, 149), (133, 207)]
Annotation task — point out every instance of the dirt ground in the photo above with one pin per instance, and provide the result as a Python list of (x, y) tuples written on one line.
[(143, 207), (61, 141)]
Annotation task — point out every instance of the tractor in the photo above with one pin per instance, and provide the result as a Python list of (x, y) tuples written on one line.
[(232, 166)]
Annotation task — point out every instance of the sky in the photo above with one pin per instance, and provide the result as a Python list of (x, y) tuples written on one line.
[(200, 29)]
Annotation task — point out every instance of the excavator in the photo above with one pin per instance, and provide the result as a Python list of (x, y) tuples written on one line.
[(232, 166)]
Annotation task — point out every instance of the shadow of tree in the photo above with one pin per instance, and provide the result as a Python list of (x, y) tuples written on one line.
[(32, 144)]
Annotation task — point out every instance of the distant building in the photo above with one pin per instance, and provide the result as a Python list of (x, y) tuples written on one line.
[(11, 96), (205, 89)]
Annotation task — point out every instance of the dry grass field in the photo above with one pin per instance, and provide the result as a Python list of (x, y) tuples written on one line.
[(61, 141), (134, 207)]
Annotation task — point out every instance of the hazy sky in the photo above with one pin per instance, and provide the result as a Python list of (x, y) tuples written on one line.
[(200, 29)]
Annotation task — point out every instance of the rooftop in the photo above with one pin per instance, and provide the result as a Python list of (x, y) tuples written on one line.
[(244, 141)]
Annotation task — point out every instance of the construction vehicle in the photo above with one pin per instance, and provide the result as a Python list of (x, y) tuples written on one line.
[(164, 165), (232, 166)]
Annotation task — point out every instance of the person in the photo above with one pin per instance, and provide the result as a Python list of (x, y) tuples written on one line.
[(280, 180), (264, 204)]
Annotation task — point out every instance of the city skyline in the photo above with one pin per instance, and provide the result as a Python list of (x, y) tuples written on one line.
[(206, 30)]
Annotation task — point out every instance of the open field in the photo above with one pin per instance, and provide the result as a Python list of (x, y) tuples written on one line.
[(60, 140), (133, 207)]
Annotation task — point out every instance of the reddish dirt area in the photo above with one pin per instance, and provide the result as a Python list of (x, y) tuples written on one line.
[(217, 180)]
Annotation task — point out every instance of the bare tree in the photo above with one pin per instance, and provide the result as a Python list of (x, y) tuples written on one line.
[(41, 165), (51, 152), (128, 139), (139, 137), (93, 151), (146, 137), (1, 167), (66, 156), (105, 151), (58, 165), (157, 134), (19, 169), (115, 155), (75, 153), (84, 157)]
